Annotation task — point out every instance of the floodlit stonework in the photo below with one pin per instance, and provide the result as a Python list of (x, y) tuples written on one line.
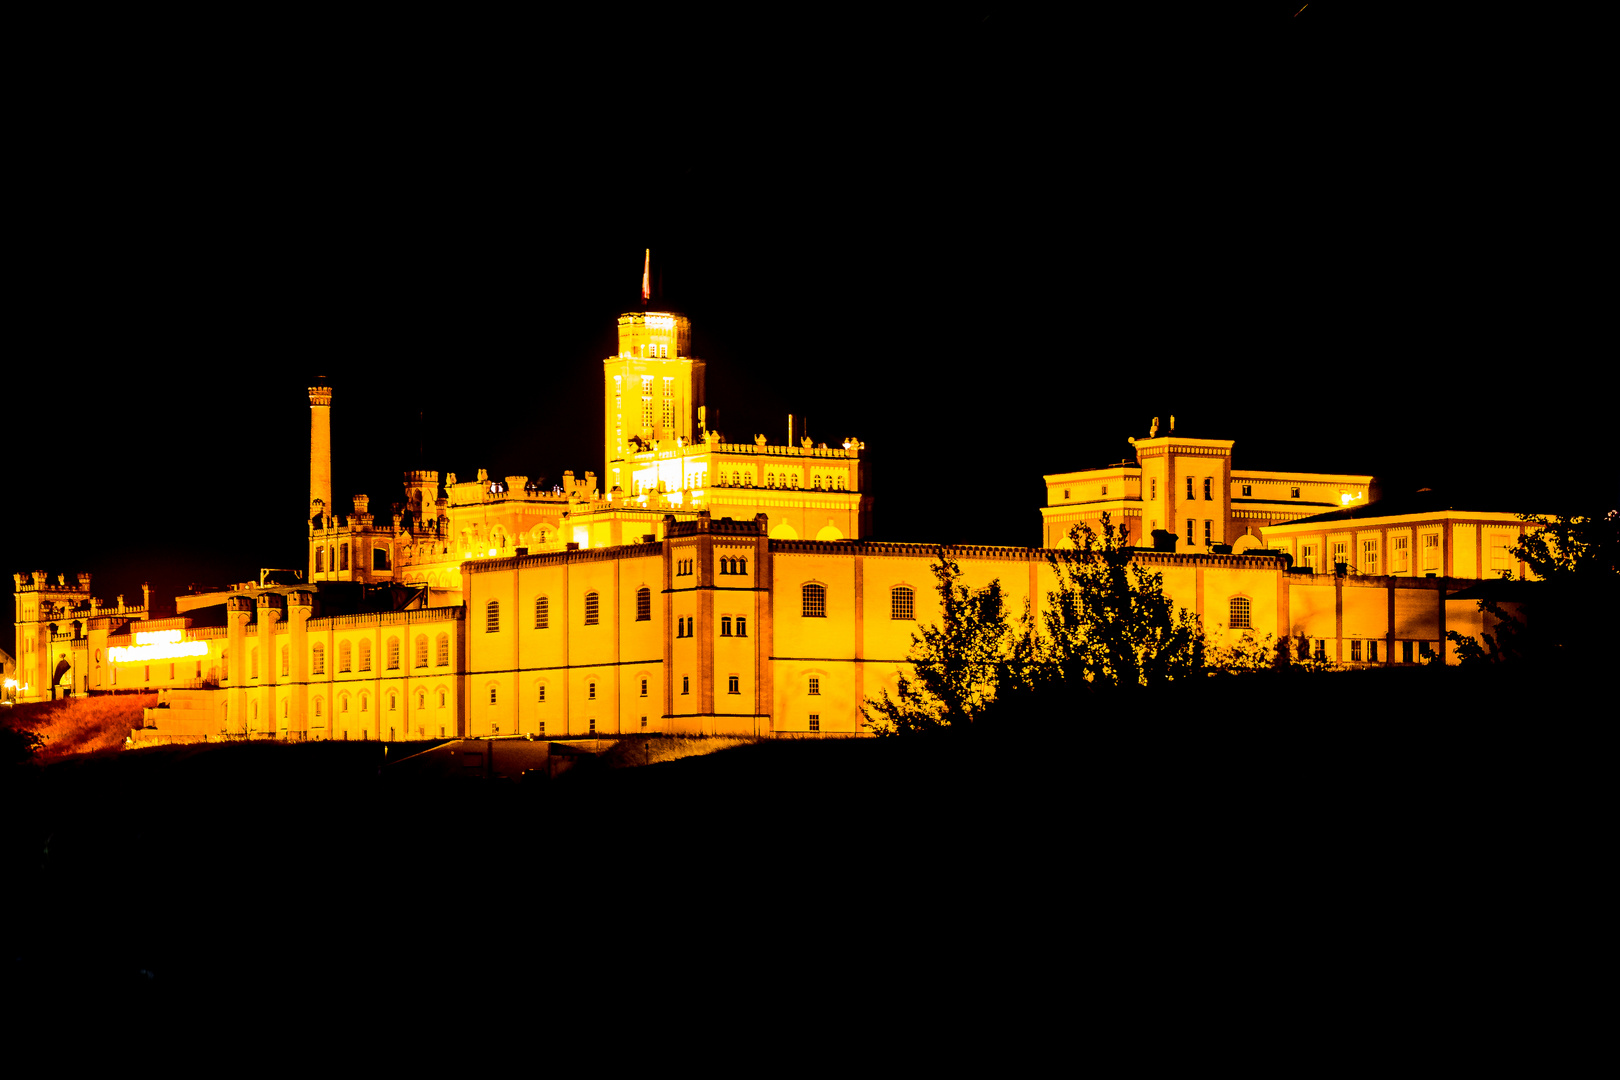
[(717, 586)]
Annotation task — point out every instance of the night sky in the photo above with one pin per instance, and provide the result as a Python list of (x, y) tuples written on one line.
[(988, 245)]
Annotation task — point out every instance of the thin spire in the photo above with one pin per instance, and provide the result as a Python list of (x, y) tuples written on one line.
[(646, 277)]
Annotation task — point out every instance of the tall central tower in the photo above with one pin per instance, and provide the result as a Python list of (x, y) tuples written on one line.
[(652, 390)]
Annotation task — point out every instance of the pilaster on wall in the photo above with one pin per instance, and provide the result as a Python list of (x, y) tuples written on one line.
[(705, 617), (764, 609)]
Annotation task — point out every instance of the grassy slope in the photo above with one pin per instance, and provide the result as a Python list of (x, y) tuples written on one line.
[(81, 725)]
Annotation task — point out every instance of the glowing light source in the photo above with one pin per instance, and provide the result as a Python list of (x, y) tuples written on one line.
[(156, 645), (661, 322), (1345, 498)]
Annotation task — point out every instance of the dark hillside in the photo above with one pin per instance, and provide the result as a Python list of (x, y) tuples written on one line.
[(1257, 831)]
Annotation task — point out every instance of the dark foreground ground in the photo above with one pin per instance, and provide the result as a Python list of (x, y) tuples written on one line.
[(1295, 853)]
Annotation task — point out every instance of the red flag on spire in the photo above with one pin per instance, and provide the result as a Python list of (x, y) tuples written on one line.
[(646, 277)]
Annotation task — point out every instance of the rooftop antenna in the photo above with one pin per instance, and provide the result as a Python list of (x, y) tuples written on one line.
[(646, 278)]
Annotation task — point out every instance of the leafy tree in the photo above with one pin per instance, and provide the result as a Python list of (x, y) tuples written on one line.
[(1577, 559), (1247, 653), (960, 662), (18, 745), (1109, 622)]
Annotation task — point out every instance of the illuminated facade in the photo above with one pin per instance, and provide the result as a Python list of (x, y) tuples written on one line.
[(716, 586), (1187, 488)]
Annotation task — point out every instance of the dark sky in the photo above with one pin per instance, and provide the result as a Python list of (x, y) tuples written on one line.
[(989, 245)]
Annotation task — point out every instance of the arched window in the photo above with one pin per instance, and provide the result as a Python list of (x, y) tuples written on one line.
[(815, 601), (421, 699), (421, 650), (590, 609), (643, 604), (443, 658), (492, 617), (344, 656), (317, 659), (317, 708), (286, 668), (224, 662), (393, 702), (365, 702), (742, 566), (393, 654), (901, 603), (284, 708), (542, 613), (441, 699), (1240, 619), (365, 654)]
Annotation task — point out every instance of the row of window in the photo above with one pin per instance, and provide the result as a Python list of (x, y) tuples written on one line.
[(902, 605), (789, 481), (317, 657), (1365, 651), (1399, 555)]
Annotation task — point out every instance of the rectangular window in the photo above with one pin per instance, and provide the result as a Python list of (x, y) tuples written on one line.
[(542, 693), (1406, 652), (733, 685), (1208, 525), (742, 626), (1191, 524), (1190, 487), (643, 687), (492, 695), (1207, 482), (1246, 491), (542, 727), (815, 685), (1426, 649), (1339, 555), (1321, 648), (815, 721), (1398, 561), (725, 626), (1369, 556), (1293, 493), (593, 725), (686, 684), (1355, 651), (1153, 488), (1372, 652), (643, 721), (590, 609), (1431, 551), (591, 692), (1307, 555)]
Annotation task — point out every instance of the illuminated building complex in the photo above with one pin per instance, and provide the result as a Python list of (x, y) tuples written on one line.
[(718, 586)]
